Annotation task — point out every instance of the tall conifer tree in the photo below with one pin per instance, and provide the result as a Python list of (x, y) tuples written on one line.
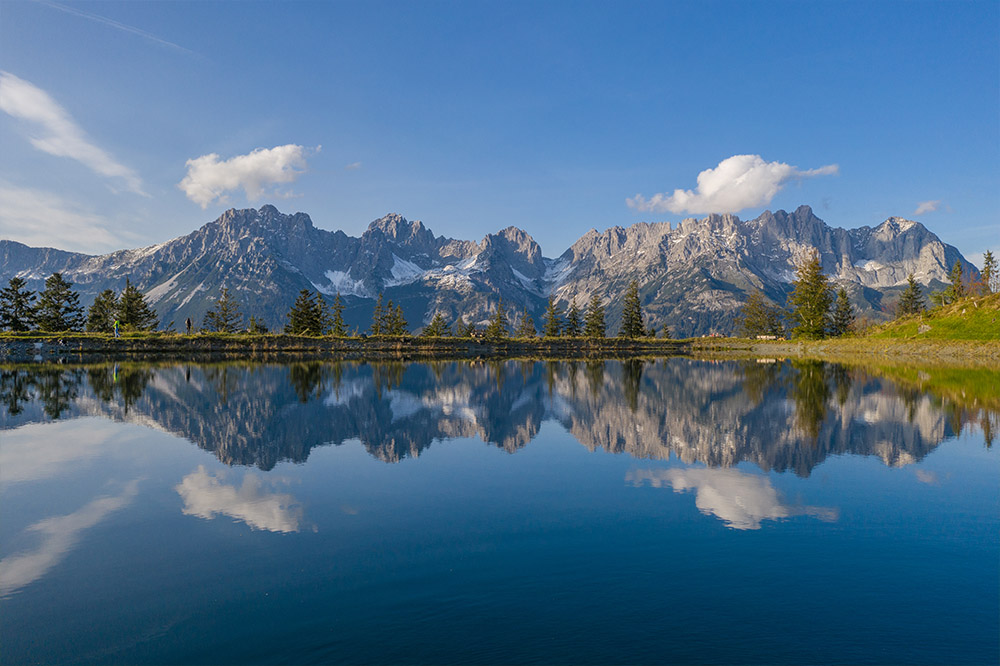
[(17, 311), (102, 313), (58, 307), (810, 299), (632, 325)]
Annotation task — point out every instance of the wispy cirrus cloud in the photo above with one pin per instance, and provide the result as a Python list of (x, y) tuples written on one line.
[(97, 18), (209, 178), (40, 218), (738, 182), (927, 207), (55, 132)]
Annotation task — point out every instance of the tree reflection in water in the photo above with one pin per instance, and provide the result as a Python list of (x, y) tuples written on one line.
[(718, 414)]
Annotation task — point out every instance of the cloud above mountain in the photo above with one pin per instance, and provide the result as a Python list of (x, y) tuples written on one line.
[(210, 178), (55, 132), (927, 207), (738, 182)]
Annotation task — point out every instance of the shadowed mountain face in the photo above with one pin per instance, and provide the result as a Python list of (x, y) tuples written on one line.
[(693, 276), (778, 416)]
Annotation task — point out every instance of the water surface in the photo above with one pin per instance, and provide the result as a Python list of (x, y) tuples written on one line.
[(675, 511)]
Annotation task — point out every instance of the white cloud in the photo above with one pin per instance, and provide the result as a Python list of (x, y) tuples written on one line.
[(927, 207), (741, 500), (40, 218), (738, 182), (353, 166), (59, 535), (206, 496), (56, 133), (209, 179)]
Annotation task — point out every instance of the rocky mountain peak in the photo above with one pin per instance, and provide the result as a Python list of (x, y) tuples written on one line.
[(896, 225)]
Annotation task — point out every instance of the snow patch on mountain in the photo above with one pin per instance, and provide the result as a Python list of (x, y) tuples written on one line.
[(341, 283), (403, 272)]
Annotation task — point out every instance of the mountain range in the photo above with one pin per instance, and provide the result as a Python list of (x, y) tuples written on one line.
[(693, 276)]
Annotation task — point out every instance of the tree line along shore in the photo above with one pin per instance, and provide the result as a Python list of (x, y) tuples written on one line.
[(814, 311)]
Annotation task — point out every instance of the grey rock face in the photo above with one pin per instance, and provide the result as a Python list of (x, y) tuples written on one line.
[(693, 276)]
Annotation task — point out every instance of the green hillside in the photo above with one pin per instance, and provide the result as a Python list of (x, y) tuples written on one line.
[(972, 318)]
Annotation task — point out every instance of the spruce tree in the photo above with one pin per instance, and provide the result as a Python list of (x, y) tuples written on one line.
[(303, 318), (438, 328), (463, 330), (593, 320), (17, 312), (989, 277), (377, 317), (324, 318), (58, 307), (632, 325), (526, 329), (337, 327), (911, 301), (397, 322), (225, 317), (497, 330), (665, 334), (133, 312), (551, 320), (957, 288), (101, 315), (810, 299), (756, 318), (256, 326), (843, 314), (573, 324)]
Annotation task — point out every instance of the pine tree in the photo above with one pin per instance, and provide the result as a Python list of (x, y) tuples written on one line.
[(463, 330), (911, 302), (593, 320), (322, 313), (551, 320), (58, 307), (573, 324), (810, 299), (756, 318), (843, 315), (437, 328), (303, 318), (397, 322), (337, 327), (377, 317), (632, 325), (17, 312), (133, 312), (526, 329), (225, 317), (497, 330), (665, 333), (101, 315), (957, 288), (989, 279), (256, 326)]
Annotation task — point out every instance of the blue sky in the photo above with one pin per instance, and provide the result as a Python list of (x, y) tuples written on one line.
[(472, 116)]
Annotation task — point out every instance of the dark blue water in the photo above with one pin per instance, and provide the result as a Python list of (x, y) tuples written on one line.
[(668, 512)]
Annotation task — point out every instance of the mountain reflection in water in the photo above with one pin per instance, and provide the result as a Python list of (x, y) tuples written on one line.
[(777, 415)]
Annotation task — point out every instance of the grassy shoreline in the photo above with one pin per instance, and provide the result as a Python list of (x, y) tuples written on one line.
[(87, 347)]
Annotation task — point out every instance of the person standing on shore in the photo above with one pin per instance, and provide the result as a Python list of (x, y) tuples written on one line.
[(187, 324), (116, 328)]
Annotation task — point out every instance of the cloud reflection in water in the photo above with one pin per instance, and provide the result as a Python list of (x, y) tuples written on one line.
[(740, 499), (206, 496)]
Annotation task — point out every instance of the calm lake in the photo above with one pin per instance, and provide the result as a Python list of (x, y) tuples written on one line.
[(669, 511)]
